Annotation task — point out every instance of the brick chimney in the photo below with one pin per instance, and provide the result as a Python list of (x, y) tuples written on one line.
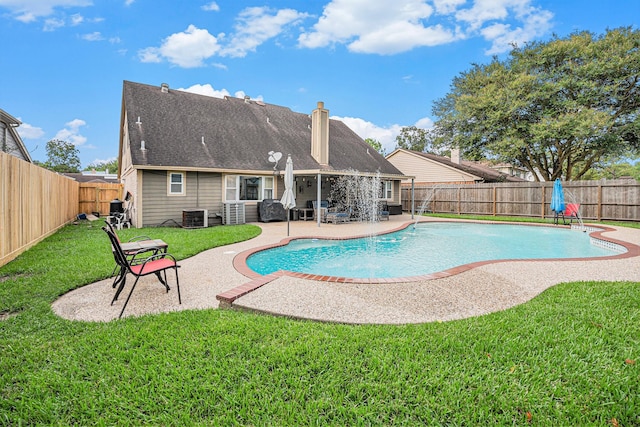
[(320, 134), (455, 155)]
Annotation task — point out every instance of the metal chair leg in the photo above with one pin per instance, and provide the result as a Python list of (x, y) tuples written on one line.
[(128, 297)]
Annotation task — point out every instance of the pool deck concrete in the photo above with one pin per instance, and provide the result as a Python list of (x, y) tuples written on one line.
[(465, 292)]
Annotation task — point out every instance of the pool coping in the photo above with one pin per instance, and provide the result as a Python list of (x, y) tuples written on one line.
[(257, 280)]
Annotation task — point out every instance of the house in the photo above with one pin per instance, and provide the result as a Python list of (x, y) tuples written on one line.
[(94, 176), (509, 169), (10, 141), (182, 152), (433, 169)]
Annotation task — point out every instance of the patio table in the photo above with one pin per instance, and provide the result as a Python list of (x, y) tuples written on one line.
[(131, 247), (306, 213)]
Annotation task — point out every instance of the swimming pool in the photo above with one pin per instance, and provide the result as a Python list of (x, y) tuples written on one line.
[(425, 249)]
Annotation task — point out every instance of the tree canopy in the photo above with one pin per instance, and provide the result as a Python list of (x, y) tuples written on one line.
[(557, 108), (413, 138), (376, 145), (62, 156), (111, 166)]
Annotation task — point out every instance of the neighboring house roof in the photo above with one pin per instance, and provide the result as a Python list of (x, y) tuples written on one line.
[(187, 130), (84, 177), (10, 140), (481, 172)]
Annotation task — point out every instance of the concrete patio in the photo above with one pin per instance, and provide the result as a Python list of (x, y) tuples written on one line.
[(487, 288)]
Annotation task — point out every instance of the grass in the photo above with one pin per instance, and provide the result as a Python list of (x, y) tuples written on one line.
[(568, 357)]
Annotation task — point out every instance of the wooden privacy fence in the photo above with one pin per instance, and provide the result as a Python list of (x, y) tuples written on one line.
[(34, 203), (97, 196), (617, 200)]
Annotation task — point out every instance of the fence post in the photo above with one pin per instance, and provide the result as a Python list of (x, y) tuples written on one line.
[(495, 193), (97, 206), (599, 209)]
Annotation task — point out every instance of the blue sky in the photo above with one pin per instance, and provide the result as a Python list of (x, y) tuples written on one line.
[(378, 65)]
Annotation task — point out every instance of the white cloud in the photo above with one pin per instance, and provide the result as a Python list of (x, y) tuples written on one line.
[(208, 90), (489, 18), (31, 10), (211, 7), (71, 132), (129, 2), (385, 135), (364, 129), (424, 123), (77, 19), (255, 25), (503, 36), (384, 27), (26, 131), (187, 49), (394, 26), (52, 24), (445, 7), (150, 54), (92, 37)]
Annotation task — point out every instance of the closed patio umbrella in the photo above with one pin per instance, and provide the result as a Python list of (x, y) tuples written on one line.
[(288, 198), (557, 199)]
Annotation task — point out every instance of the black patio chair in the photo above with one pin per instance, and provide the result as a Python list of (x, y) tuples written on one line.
[(133, 246), (157, 264)]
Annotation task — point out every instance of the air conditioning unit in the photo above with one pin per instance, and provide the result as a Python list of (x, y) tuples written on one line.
[(194, 218), (233, 213)]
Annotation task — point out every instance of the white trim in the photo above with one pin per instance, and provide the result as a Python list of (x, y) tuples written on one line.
[(183, 183)]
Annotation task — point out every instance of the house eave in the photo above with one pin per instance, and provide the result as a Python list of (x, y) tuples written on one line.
[(229, 171)]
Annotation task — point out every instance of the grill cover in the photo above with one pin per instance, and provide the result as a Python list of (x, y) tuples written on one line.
[(271, 210)]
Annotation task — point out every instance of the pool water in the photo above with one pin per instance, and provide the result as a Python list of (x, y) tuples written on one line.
[(424, 249)]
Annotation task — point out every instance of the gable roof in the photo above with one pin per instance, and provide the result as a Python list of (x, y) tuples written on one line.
[(82, 177), (187, 130), (484, 172), (10, 123)]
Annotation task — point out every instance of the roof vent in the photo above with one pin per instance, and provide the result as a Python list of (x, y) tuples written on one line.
[(142, 147), (164, 87), (247, 98)]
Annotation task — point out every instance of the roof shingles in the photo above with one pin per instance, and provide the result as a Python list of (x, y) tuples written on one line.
[(237, 134)]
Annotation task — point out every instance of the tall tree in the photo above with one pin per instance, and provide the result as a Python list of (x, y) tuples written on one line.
[(110, 166), (413, 138), (376, 145), (557, 108), (62, 156)]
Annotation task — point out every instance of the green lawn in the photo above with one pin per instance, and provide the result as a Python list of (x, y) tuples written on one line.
[(569, 357)]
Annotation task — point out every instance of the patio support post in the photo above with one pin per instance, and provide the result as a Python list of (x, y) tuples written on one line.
[(413, 193), (319, 197)]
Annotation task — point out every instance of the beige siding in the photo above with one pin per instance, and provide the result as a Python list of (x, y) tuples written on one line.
[(203, 191), (396, 192), (426, 170), (130, 182)]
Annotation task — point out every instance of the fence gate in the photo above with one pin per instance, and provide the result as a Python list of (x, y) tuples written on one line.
[(96, 196)]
